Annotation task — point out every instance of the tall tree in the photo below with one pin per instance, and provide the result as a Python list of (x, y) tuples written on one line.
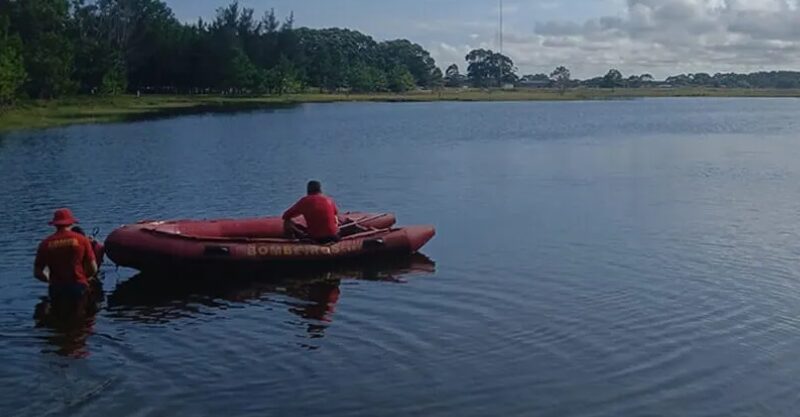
[(400, 79), (452, 71), (47, 52), (144, 34), (363, 78), (612, 79), (561, 77), (95, 58), (437, 79), (12, 69), (283, 77), (452, 76), (327, 55), (413, 57), (487, 68)]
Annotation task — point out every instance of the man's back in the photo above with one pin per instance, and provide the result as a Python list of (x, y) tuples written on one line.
[(320, 213), (66, 254)]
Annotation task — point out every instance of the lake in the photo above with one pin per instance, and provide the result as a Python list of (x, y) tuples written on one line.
[(614, 258)]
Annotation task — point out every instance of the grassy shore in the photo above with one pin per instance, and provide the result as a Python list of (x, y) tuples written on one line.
[(78, 110)]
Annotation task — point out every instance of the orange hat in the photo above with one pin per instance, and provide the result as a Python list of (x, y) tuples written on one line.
[(63, 217)]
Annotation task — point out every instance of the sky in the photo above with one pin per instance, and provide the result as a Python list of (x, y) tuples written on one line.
[(659, 37)]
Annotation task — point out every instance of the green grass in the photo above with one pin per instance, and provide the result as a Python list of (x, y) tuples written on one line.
[(36, 114)]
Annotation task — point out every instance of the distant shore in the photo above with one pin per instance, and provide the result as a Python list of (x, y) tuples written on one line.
[(83, 110)]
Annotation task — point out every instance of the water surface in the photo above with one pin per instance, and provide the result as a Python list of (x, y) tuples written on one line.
[(634, 258)]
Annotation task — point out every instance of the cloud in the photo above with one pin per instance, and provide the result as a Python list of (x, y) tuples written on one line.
[(662, 37)]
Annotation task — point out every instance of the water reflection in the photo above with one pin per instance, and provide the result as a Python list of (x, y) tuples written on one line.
[(311, 294), (211, 109), (70, 322)]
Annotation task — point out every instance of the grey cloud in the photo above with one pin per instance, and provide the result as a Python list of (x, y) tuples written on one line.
[(764, 25), (699, 35), (553, 28), (563, 42), (521, 38), (676, 10), (610, 23)]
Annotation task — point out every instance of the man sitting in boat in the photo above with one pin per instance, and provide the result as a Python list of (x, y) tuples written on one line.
[(65, 260), (320, 213)]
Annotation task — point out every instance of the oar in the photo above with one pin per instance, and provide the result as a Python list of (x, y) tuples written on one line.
[(352, 223), (356, 222)]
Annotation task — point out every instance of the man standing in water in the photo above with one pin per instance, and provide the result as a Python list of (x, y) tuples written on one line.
[(320, 212), (65, 260)]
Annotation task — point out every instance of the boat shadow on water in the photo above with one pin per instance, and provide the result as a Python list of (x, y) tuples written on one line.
[(309, 293), (160, 297)]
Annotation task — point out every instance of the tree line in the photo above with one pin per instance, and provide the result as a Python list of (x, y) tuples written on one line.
[(490, 69), (53, 48)]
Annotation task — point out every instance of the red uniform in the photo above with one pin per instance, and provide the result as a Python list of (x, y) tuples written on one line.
[(65, 253), (320, 213)]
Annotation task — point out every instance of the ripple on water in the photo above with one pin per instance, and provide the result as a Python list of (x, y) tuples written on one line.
[(593, 259)]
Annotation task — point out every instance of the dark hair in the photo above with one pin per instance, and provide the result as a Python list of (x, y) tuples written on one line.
[(78, 230), (314, 187)]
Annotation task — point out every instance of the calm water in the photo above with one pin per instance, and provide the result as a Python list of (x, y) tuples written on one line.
[(631, 258)]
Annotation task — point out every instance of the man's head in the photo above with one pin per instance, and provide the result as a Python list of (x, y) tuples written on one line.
[(63, 218), (314, 187)]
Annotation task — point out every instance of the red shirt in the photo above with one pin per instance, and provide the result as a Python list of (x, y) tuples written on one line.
[(320, 213), (65, 253)]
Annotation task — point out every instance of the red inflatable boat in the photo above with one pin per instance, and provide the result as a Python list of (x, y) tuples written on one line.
[(155, 245)]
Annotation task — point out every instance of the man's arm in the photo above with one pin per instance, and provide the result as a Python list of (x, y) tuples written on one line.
[(39, 265), (335, 211), (40, 274), (295, 210), (91, 269), (89, 261)]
